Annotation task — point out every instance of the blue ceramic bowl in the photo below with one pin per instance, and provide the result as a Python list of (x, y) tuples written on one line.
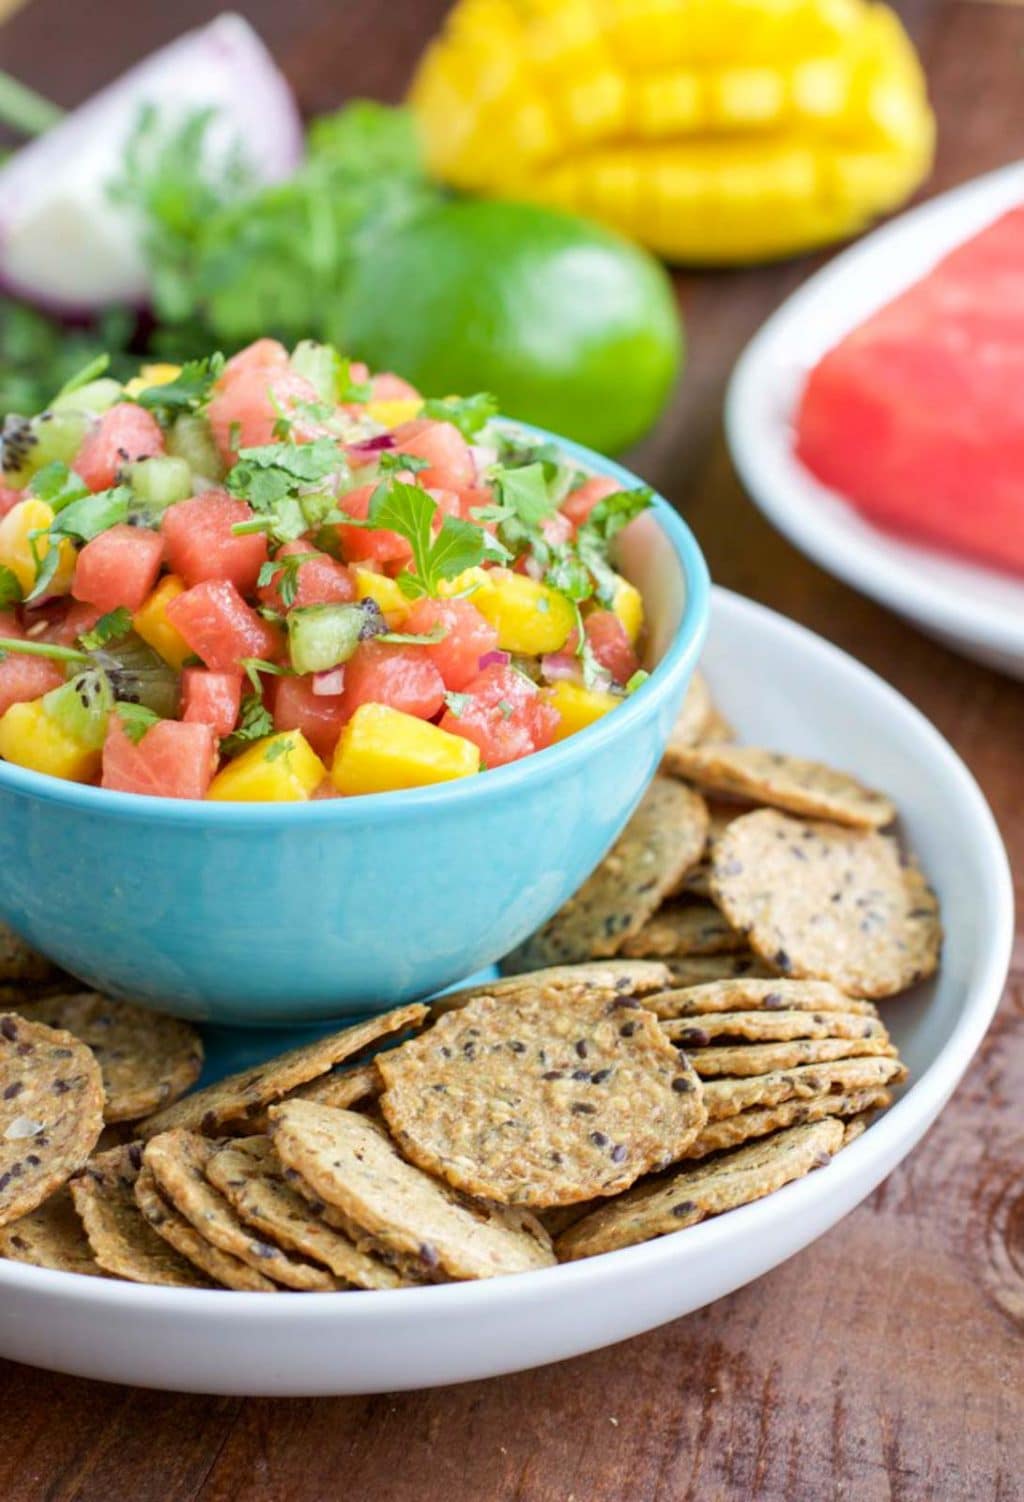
[(258, 914)]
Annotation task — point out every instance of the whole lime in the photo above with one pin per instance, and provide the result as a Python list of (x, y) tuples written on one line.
[(568, 325)]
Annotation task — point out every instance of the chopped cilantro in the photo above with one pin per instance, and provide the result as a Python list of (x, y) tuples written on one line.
[(525, 492), (278, 749), (109, 627), (391, 461), (136, 720), (639, 678), (86, 518), (470, 414), (346, 389), (424, 639), (254, 724), (28, 648), (187, 392), (507, 710), (285, 573), (57, 485), (280, 480), (458, 703), (252, 667), (409, 511)]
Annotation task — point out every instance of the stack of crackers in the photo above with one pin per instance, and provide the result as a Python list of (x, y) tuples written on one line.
[(696, 1028)]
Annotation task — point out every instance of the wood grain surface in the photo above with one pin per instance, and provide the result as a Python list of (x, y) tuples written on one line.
[(883, 1364)]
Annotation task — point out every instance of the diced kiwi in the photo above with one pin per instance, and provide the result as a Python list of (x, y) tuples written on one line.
[(189, 438), (28, 444), (94, 396), (138, 675), (81, 707), (322, 636), (159, 482)]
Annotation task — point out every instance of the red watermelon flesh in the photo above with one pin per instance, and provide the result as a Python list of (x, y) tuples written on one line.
[(172, 760), (917, 416)]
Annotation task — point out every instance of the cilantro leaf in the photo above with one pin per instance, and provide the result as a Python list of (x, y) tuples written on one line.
[(109, 627), (458, 703), (391, 461), (187, 392), (525, 492), (254, 666), (10, 587), (30, 648), (136, 720), (638, 679), (408, 638), (284, 572), (470, 414), (279, 749), (410, 511), (254, 724), (616, 511), (58, 485), (86, 518), (346, 389), (280, 482)]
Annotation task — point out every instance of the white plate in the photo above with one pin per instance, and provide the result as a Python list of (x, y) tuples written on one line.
[(782, 686), (974, 609)]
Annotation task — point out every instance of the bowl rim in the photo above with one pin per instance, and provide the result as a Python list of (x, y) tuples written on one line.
[(680, 655), (880, 1148)]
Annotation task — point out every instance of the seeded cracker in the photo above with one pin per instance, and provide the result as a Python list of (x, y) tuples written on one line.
[(698, 969), (175, 1229), (760, 1122), (348, 1162), (516, 1101), (823, 901), (343, 1088), (727, 1097), (251, 1176), (51, 1236), (147, 1059), (747, 995), (51, 1112), (787, 782), (18, 962), (178, 1161), (762, 1058), (715, 1028), (681, 929), (689, 1195), (122, 1241), (243, 1097), (695, 713), (559, 983), (664, 838)]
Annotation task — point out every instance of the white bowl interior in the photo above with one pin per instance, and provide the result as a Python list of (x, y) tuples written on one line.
[(781, 685)]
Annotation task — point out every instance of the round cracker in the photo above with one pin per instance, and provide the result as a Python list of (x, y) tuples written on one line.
[(560, 983), (147, 1059), (697, 969), (221, 1267), (729, 1096), (732, 1131), (243, 1098), (679, 929), (122, 1241), (695, 712), (819, 900), (689, 1195), (748, 995), (51, 1236), (791, 783), (252, 1178), (349, 1162), (664, 838), (178, 1160), (764, 1058), (716, 1028), (51, 1112), (524, 1103)]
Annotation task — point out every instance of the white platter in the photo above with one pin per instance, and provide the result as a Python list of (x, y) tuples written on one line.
[(784, 687), (976, 610)]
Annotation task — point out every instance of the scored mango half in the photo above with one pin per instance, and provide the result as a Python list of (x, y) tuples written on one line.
[(712, 131)]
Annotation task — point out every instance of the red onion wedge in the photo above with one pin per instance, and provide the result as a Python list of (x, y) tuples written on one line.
[(496, 658), (64, 245)]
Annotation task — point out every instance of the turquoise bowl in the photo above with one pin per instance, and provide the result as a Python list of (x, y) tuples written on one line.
[(274, 914)]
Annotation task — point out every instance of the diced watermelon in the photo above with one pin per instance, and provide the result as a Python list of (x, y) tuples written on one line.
[(320, 717), (610, 645), (262, 354), (249, 401), (201, 545), (119, 567), (374, 542), (503, 713), (9, 624), (122, 435), (172, 760), (402, 677), (9, 499), (580, 502), (212, 699), (387, 387), (23, 678), (75, 618), (917, 416), (221, 628), (468, 636), (450, 463), (320, 580)]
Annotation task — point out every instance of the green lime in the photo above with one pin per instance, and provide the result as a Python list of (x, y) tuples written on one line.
[(571, 327)]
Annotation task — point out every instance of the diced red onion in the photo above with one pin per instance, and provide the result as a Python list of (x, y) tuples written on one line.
[(375, 445), (557, 666), (329, 683), (494, 659)]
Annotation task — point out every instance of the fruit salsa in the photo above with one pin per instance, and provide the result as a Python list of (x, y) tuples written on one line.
[(278, 578)]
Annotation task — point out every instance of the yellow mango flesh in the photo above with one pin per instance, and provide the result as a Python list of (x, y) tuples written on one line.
[(30, 738), (528, 616), (372, 586), (159, 374), (628, 605), (278, 769), (16, 546), (151, 623), (577, 706), (709, 130), (391, 413), (383, 750)]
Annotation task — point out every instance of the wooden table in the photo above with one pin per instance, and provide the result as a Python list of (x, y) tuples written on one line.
[(883, 1364)]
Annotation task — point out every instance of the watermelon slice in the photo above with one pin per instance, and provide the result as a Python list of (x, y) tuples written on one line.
[(172, 760), (917, 416)]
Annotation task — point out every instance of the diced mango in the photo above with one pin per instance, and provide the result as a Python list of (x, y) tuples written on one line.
[(373, 586), (577, 706), (16, 545), (628, 605), (529, 616), (278, 769), (151, 623), (392, 412), (382, 750), (469, 583), (160, 374), (31, 738)]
